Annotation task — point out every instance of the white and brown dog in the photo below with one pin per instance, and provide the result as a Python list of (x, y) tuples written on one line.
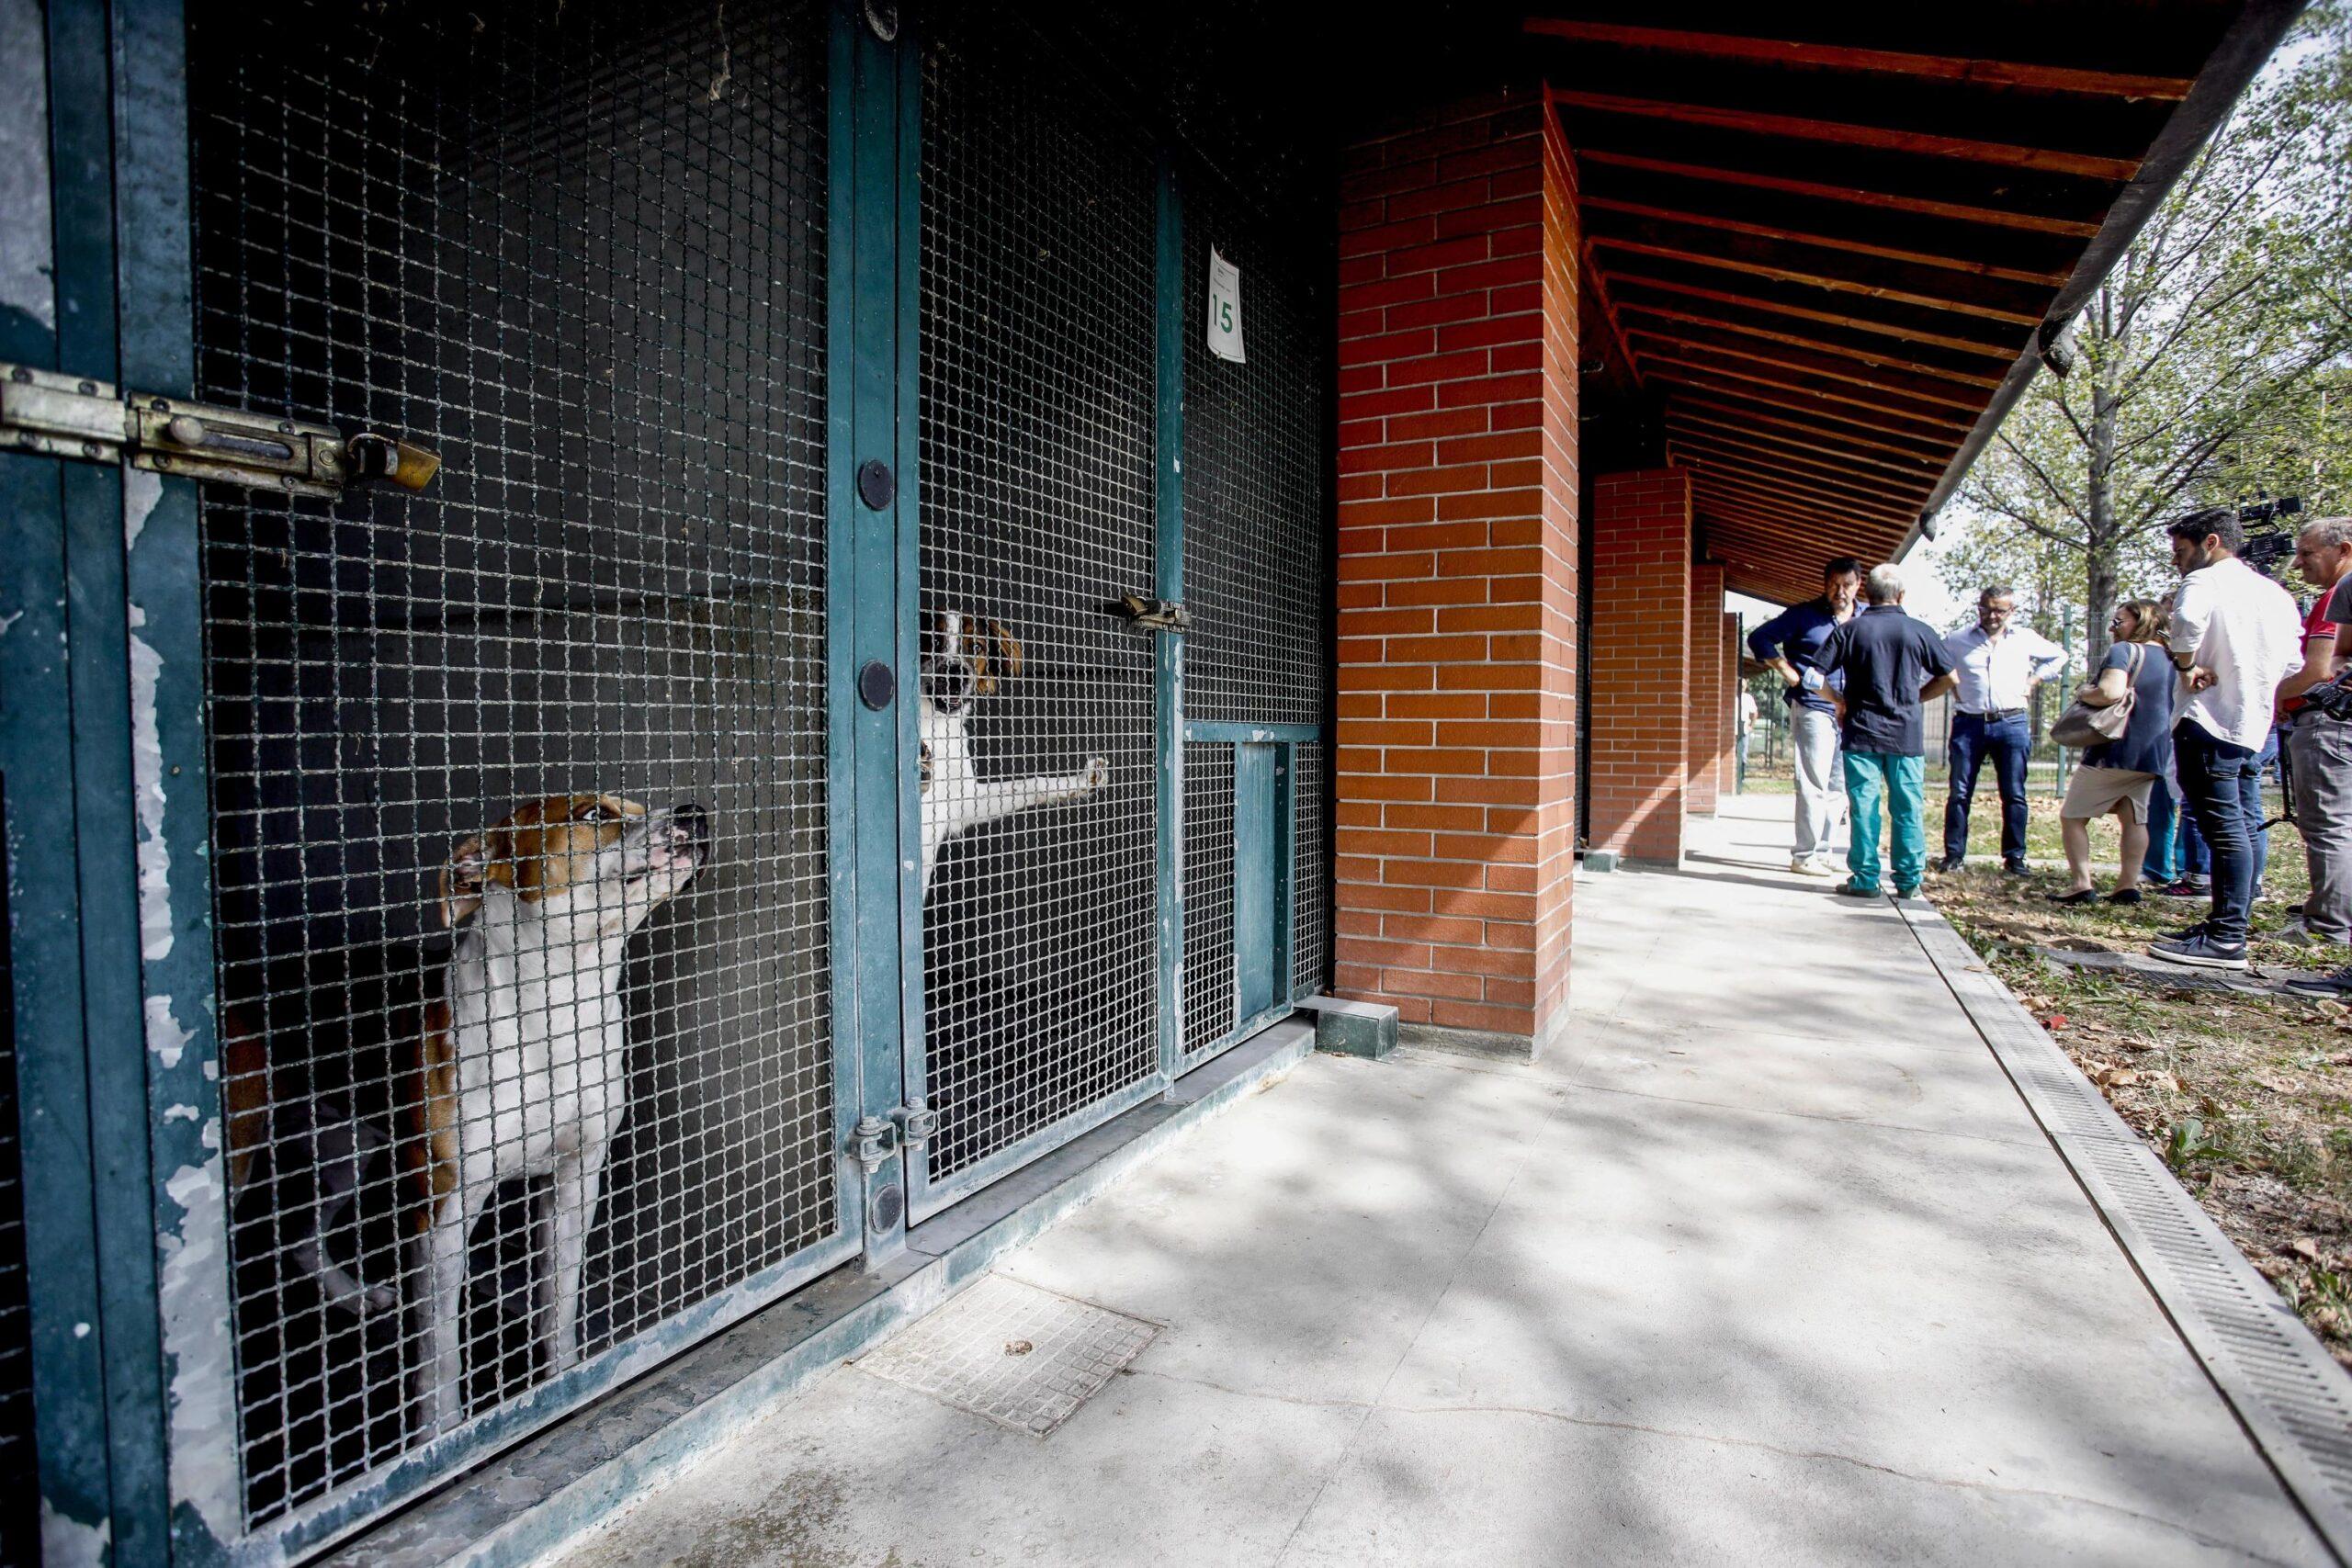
[(523, 1057), (956, 799)]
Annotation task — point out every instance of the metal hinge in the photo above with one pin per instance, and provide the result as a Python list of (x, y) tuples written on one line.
[(1151, 615), (872, 1141), (917, 1123), (63, 416)]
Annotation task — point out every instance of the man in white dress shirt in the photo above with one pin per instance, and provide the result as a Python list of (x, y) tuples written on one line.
[(2235, 636), (2000, 664)]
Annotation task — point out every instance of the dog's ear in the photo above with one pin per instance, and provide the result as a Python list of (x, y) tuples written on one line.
[(461, 882), (1011, 648)]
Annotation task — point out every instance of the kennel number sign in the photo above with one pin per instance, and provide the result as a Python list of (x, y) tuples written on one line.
[(1225, 308)]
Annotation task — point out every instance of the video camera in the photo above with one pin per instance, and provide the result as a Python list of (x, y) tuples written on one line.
[(2269, 542)]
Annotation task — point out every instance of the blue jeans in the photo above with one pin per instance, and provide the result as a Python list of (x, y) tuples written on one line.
[(2007, 741), (2222, 785), (2160, 865), (1901, 782)]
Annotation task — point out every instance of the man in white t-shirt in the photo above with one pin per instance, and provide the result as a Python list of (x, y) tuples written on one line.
[(2235, 636)]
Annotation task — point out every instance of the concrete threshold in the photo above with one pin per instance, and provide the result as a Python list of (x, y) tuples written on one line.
[(564, 1479)]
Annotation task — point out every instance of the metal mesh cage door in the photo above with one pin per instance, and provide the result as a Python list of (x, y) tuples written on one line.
[(520, 785), (1257, 539), (1036, 445)]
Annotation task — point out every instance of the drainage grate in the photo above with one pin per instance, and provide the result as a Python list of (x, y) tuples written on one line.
[(2293, 1398), (968, 1354)]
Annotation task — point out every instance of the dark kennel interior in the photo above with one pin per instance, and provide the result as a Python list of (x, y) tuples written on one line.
[(578, 252)]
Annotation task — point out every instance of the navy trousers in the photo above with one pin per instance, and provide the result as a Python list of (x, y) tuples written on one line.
[(2222, 786), (2007, 742)]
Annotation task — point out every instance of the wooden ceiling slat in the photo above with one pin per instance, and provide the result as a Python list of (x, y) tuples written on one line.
[(1933, 144), (1669, 363), (1832, 57), (2031, 197), (1882, 202), (1824, 528), (1943, 243), (1830, 352), (1938, 431), (1806, 489), (1930, 446), (1728, 354), (1827, 442), (1937, 329), (1785, 259), (1807, 503), (1811, 511), (1744, 444)]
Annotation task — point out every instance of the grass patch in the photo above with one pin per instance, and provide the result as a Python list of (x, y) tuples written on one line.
[(2247, 1098)]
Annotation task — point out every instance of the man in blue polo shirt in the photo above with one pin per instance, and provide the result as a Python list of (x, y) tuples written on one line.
[(1893, 666), (1791, 643)]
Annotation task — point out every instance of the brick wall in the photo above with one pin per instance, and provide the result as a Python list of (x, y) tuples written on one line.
[(1457, 590), (1708, 735), (1641, 662)]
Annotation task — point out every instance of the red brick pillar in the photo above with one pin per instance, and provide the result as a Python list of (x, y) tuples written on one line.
[(1707, 734), (1641, 662), (1457, 590)]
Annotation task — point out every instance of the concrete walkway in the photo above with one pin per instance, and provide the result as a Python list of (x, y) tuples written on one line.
[(1768, 1264)]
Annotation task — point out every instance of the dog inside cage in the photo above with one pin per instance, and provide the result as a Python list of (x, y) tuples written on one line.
[(522, 913)]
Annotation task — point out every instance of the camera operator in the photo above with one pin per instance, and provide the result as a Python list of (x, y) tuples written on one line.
[(2233, 638), (2318, 748)]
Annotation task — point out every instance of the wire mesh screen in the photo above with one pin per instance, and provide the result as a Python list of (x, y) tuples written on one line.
[(1310, 916), (19, 1480), (1211, 1002), (1255, 522), (1037, 426), (569, 701)]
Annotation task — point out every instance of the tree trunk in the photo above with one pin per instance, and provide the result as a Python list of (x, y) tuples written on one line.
[(2103, 546)]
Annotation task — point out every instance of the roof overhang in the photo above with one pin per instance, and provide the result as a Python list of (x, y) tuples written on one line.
[(1836, 242)]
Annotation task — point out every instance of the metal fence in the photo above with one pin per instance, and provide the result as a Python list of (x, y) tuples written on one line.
[(691, 839)]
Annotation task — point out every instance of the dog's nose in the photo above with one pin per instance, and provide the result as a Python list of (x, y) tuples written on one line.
[(691, 822)]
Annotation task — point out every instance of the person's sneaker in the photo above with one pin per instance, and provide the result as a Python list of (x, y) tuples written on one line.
[(2337, 983), (2185, 888), (1910, 892), (1945, 866), (1813, 867), (2294, 933), (2016, 868), (2200, 951), (1855, 890), (2187, 931)]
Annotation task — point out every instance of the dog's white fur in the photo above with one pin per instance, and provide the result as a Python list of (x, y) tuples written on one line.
[(524, 1063), (956, 799)]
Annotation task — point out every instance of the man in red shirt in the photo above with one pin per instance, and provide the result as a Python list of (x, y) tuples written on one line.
[(2319, 750)]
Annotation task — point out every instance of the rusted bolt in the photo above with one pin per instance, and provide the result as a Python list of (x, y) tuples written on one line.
[(20, 375)]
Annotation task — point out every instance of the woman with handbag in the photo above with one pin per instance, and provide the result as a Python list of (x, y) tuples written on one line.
[(2123, 720)]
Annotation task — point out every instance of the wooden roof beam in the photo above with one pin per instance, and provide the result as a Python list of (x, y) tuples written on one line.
[(1806, 490), (1762, 494), (1652, 276), (1727, 353), (1888, 201), (1816, 348), (1886, 62), (1734, 381), (1745, 443), (1930, 143), (1786, 259), (1927, 447)]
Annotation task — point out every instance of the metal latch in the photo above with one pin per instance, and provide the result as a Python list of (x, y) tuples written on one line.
[(63, 416), (918, 1123), (1150, 614), (872, 1141)]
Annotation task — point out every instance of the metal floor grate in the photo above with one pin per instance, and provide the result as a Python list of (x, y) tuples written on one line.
[(2292, 1397), (1022, 1357)]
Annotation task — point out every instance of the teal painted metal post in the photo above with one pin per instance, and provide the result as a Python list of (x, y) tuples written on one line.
[(907, 577), (862, 544), (44, 986), (1168, 672), (1285, 826), (96, 118), (1255, 870)]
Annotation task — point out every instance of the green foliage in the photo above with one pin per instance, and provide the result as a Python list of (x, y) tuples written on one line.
[(2209, 368)]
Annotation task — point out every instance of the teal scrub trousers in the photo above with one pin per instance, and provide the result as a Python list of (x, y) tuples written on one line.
[(1901, 782)]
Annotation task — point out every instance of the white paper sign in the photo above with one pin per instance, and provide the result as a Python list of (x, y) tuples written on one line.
[(1225, 308)]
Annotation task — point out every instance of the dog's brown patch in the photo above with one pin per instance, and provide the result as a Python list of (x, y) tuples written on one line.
[(543, 848)]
